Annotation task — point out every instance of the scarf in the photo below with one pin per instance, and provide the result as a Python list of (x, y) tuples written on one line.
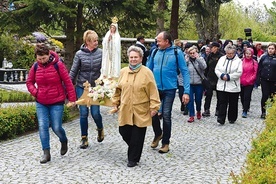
[(134, 67)]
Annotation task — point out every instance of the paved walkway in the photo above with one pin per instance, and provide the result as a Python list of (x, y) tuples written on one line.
[(200, 152)]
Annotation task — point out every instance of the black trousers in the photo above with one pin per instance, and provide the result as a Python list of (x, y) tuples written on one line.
[(228, 101), (134, 137), (268, 89), (246, 93), (208, 98)]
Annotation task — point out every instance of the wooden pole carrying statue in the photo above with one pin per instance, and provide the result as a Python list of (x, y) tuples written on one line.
[(85, 99)]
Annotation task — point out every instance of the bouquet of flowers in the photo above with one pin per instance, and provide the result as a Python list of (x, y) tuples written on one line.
[(103, 91)]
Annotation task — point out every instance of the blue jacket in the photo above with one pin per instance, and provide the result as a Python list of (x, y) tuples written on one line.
[(164, 68)]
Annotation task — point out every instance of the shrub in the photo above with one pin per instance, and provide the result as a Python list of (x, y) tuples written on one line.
[(16, 51), (15, 96), (261, 160), (19, 120)]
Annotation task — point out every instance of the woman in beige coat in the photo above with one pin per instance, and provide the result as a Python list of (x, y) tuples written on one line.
[(137, 100)]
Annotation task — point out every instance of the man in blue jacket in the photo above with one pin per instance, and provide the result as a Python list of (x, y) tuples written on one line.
[(164, 64)]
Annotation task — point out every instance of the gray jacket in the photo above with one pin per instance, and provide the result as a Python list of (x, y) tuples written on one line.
[(200, 65), (86, 66)]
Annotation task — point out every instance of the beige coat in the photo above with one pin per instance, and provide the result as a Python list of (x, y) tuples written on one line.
[(136, 95)]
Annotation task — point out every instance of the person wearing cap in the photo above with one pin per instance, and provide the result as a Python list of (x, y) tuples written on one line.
[(140, 43), (212, 60)]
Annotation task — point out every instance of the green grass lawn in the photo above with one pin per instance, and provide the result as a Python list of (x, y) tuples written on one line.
[(124, 65)]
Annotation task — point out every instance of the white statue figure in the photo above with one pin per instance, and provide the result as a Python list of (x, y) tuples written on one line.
[(111, 57)]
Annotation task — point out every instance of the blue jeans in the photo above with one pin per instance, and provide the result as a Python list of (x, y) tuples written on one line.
[(196, 93), (45, 115), (95, 112), (167, 98)]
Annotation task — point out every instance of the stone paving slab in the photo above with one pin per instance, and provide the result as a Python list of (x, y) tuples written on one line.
[(200, 152)]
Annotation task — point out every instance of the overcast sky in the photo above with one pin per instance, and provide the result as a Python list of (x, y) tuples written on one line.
[(268, 3)]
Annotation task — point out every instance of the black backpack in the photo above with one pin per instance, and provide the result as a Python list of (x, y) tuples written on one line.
[(176, 57)]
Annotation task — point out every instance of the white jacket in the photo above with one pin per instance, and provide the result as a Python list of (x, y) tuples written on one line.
[(233, 69)]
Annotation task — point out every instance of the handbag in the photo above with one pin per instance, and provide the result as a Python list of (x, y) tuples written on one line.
[(204, 81), (206, 84)]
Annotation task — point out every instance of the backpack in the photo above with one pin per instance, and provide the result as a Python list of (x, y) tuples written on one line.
[(55, 65), (176, 57), (57, 69)]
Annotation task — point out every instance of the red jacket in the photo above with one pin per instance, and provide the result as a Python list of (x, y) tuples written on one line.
[(50, 85), (249, 70)]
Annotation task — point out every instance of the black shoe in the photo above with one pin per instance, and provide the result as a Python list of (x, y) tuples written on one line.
[(131, 164), (231, 122), (186, 111), (182, 108), (64, 148), (220, 121), (263, 115), (206, 113)]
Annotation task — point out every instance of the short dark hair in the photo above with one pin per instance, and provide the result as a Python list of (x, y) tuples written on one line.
[(140, 38), (167, 35), (41, 49)]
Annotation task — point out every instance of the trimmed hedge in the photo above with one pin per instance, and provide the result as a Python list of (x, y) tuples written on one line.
[(20, 120), (261, 160), (15, 96)]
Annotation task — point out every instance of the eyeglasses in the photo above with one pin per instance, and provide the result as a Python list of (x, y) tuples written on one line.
[(192, 52)]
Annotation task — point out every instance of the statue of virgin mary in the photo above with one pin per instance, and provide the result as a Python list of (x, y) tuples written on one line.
[(111, 56)]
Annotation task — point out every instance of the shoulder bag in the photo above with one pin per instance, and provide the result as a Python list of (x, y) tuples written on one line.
[(206, 84)]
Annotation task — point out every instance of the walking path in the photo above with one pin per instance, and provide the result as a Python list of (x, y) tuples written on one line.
[(200, 152)]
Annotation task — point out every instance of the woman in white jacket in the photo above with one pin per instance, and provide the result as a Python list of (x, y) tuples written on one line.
[(228, 70)]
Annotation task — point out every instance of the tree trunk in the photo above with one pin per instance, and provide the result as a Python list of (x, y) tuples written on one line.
[(160, 20), (208, 26), (69, 45), (174, 19), (79, 23)]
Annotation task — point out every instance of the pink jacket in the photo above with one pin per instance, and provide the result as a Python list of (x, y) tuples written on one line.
[(249, 70), (50, 85)]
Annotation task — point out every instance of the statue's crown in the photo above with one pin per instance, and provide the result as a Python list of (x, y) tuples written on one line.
[(114, 20)]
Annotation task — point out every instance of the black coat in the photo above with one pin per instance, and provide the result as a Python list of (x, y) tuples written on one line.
[(146, 54)]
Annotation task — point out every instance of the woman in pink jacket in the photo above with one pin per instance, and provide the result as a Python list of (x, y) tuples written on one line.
[(50, 84), (248, 78)]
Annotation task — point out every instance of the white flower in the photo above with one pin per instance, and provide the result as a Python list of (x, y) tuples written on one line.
[(103, 89)]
